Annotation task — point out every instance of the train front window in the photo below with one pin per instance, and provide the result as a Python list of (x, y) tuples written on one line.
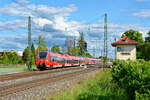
[(42, 55)]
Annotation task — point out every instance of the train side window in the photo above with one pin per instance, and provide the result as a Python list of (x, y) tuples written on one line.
[(49, 58), (64, 60), (80, 61), (52, 58)]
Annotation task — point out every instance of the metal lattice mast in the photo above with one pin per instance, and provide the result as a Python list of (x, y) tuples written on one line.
[(29, 42), (105, 41), (105, 36)]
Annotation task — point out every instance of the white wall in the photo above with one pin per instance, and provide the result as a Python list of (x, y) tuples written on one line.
[(127, 52)]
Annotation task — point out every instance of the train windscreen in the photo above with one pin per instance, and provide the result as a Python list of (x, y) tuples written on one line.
[(42, 55)]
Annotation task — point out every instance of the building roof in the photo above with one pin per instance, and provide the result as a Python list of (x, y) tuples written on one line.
[(125, 41)]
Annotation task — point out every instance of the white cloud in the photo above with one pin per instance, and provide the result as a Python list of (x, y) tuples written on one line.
[(10, 26), (145, 13), (41, 21)]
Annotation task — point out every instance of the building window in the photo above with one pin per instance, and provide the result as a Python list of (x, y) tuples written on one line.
[(125, 53), (119, 49)]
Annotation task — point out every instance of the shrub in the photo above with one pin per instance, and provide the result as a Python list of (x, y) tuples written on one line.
[(133, 76)]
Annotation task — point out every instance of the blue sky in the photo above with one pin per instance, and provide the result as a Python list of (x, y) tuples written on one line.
[(57, 19)]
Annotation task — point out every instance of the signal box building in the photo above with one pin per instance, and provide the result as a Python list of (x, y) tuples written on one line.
[(125, 48)]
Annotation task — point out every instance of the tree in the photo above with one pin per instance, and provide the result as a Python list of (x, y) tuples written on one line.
[(88, 54), (25, 55), (71, 51), (145, 49), (81, 43), (147, 39), (33, 60), (13, 58), (5, 58), (33, 50), (56, 49), (77, 51), (134, 35), (33, 54), (41, 42), (41, 45)]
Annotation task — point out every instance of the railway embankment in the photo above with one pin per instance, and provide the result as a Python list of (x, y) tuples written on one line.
[(37, 85)]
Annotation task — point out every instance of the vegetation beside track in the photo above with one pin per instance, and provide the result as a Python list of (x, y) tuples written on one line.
[(99, 87), (127, 80), (134, 77), (14, 69)]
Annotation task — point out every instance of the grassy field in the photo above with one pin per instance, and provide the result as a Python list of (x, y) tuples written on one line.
[(99, 87), (14, 69)]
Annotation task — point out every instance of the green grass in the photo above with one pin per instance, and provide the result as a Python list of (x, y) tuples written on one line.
[(99, 87), (14, 69), (12, 66)]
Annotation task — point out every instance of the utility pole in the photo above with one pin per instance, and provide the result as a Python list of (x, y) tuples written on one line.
[(105, 39), (29, 43)]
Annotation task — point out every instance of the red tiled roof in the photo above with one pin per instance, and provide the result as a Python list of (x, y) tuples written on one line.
[(125, 41)]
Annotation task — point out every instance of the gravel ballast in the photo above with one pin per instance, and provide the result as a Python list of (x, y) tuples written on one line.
[(41, 92)]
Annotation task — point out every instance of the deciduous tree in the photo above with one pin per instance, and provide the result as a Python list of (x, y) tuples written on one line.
[(25, 55), (5, 58), (56, 49), (33, 50), (81, 43), (134, 35), (41, 44), (147, 39)]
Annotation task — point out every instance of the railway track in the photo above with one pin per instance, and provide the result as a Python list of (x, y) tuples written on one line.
[(15, 88), (33, 73)]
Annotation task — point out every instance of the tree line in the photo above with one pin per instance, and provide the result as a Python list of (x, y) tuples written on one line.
[(10, 58)]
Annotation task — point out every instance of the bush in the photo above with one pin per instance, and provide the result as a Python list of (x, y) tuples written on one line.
[(133, 76)]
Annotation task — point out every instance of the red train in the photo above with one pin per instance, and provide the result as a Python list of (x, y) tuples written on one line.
[(47, 59)]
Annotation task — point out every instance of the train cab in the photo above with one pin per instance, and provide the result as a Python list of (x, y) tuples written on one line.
[(42, 60)]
